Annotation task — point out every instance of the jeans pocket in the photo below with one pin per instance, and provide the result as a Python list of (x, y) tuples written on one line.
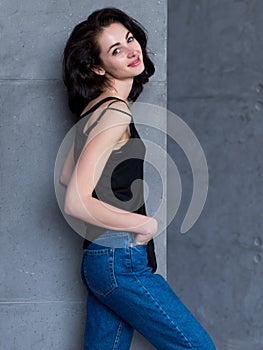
[(99, 272), (139, 258)]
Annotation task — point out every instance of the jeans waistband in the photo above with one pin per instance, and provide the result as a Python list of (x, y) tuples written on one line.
[(115, 239)]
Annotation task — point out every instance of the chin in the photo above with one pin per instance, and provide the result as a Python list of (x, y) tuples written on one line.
[(141, 68)]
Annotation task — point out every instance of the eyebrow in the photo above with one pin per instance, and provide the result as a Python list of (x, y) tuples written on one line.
[(119, 43)]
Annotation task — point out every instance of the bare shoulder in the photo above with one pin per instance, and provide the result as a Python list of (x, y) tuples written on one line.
[(116, 113), (112, 125), (120, 107)]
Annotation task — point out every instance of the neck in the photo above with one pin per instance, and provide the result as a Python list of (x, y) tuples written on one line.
[(120, 88)]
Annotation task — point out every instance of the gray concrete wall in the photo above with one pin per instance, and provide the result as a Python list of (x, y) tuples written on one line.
[(42, 299), (215, 82)]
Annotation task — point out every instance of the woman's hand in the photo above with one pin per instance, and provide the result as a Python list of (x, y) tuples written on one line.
[(151, 228)]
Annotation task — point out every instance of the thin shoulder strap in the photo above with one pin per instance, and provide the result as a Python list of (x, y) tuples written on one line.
[(103, 112), (120, 110), (99, 103)]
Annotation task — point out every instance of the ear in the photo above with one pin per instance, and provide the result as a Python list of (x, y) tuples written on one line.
[(98, 70)]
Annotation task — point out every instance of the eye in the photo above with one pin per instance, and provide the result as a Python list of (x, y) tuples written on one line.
[(116, 52), (130, 39)]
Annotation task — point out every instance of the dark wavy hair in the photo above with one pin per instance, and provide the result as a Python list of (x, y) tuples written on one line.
[(82, 53)]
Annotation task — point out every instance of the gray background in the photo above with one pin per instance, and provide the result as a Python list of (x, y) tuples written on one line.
[(215, 79), (214, 84), (42, 299)]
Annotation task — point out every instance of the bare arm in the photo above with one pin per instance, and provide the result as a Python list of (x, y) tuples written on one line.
[(79, 201), (68, 167)]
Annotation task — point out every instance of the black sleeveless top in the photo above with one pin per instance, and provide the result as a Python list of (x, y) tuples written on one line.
[(117, 184)]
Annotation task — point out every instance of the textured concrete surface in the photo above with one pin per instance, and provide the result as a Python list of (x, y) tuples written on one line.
[(215, 84), (42, 299), (42, 325)]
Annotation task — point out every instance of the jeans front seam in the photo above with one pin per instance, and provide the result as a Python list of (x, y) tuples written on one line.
[(116, 341), (163, 311), (111, 267)]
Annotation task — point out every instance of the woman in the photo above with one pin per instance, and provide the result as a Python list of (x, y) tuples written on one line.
[(105, 66)]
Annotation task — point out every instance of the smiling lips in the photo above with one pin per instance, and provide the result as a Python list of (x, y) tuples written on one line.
[(135, 63)]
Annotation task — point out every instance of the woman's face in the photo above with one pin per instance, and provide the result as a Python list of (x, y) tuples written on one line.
[(120, 53)]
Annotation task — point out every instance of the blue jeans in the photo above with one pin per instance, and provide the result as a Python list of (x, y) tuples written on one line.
[(125, 295)]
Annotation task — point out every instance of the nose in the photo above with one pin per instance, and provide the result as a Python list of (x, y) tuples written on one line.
[(131, 52)]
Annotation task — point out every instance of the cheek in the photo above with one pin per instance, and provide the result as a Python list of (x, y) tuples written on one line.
[(137, 45), (116, 65), (114, 69)]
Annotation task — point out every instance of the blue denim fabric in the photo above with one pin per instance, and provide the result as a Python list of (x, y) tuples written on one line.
[(125, 295)]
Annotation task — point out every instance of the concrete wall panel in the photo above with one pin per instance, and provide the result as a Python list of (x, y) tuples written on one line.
[(215, 84), (42, 299)]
